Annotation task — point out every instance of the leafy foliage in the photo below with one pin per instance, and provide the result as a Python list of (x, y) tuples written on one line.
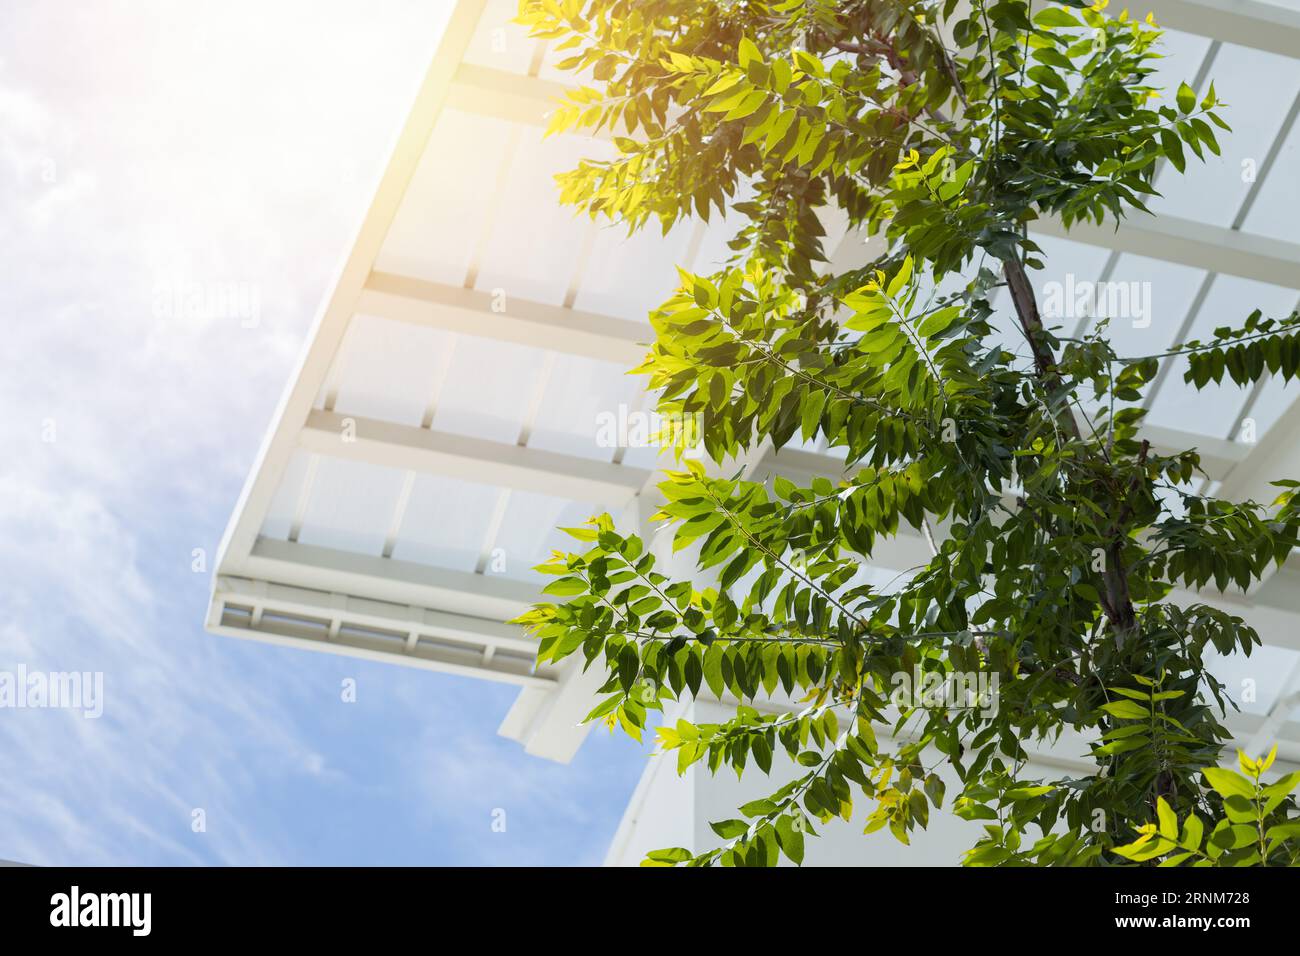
[(1253, 829), (1058, 536), (1246, 352)]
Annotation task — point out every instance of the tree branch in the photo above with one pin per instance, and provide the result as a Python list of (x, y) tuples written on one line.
[(1117, 601)]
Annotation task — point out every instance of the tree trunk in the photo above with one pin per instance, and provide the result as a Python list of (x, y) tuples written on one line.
[(1116, 602)]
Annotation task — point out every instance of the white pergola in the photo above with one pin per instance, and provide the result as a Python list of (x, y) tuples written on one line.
[(443, 418)]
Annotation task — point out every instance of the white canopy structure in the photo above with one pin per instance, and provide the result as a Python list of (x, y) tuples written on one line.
[(445, 415)]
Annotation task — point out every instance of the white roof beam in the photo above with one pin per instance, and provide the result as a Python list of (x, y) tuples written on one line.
[(1218, 455), (549, 723), (384, 615), (425, 660), (1274, 457), (1195, 244), (519, 98), (487, 596), (504, 318), (374, 630), (1272, 609), (409, 448), (331, 322), (1248, 23), (503, 95), (592, 335), (1256, 734)]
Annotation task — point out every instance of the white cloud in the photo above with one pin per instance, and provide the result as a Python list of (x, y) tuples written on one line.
[(147, 143)]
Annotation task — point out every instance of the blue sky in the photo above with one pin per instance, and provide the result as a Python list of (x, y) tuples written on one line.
[(148, 144)]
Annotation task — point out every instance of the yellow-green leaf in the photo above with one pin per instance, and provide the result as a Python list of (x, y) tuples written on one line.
[(1168, 819)]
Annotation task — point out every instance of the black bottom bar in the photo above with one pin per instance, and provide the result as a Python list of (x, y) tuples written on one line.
[(334, 906)]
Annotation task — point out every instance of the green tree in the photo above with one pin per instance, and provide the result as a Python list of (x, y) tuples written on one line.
[(1255, 826), (947, 130)]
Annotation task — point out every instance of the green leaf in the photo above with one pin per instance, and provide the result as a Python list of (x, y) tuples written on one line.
[(892, 358), (1087, 592), (629, 665), (675, 854), (1168, 820), (566, 587), (1053, 18), (1283, 831), (934, 788), (1126, 745), (713, 670), (1126, 710), (730, 829), (1229, 783), (1027, 793), (939, 321), (1193, 830), (899, 282), (789, 833), (1172, 148), (812, 412)]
